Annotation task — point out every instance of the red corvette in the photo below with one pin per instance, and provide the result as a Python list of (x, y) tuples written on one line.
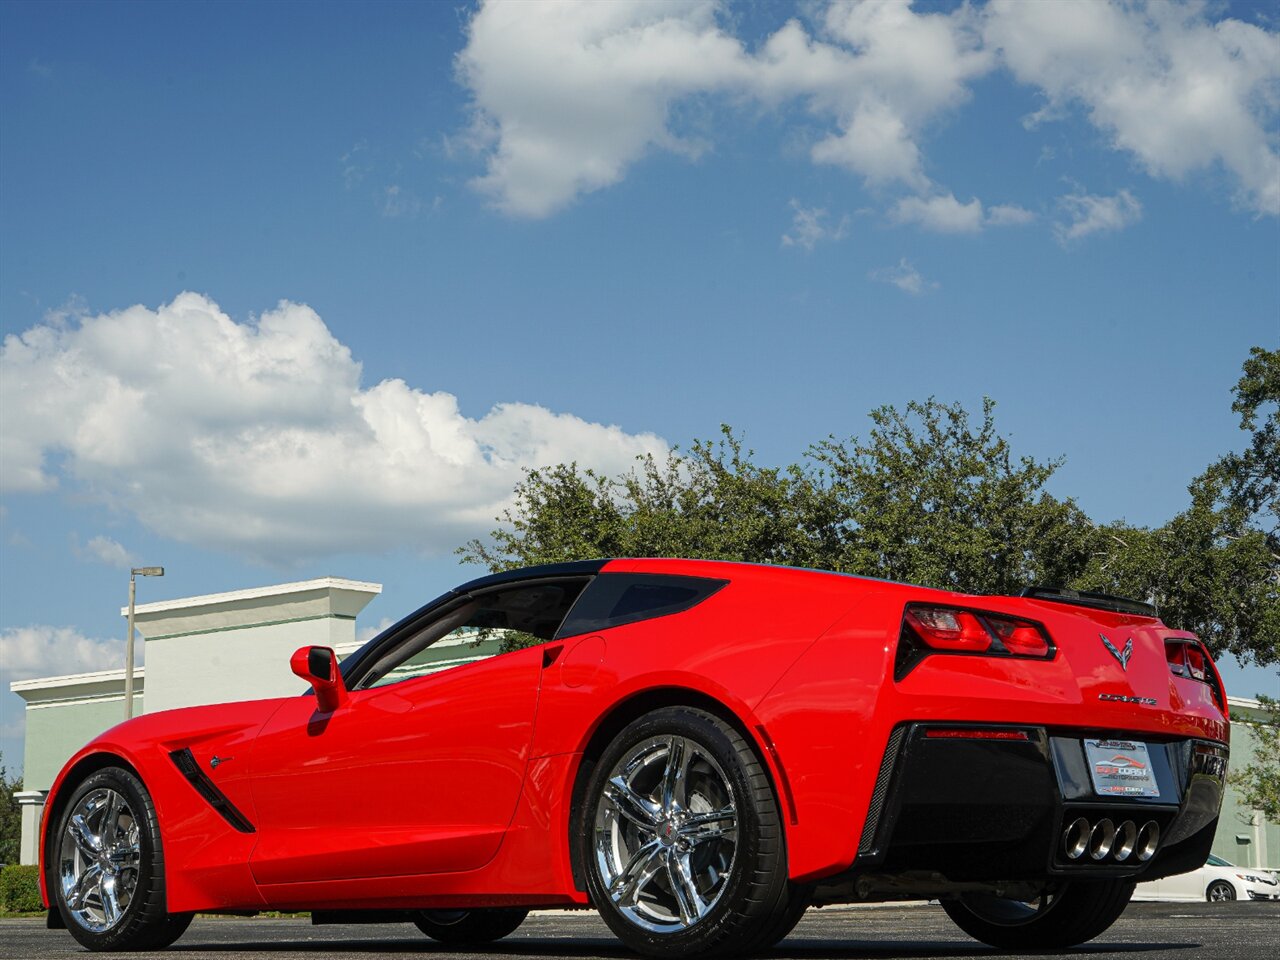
[(698, 750)]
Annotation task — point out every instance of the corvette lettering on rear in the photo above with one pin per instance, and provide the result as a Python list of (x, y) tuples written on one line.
[(1121, 698)]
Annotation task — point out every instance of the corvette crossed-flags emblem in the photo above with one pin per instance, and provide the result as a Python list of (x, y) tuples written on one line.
[(1121, 655)]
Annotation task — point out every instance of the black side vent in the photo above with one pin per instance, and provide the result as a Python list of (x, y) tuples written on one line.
[(866, 844), (186, 763), (1099, 601)]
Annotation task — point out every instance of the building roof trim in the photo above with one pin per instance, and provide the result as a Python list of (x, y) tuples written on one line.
[(256, 593), (72, 679)]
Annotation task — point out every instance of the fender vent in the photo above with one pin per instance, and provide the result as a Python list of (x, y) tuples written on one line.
[(185, 761)]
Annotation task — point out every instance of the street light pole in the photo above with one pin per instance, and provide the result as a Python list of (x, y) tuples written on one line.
[(128, 646)]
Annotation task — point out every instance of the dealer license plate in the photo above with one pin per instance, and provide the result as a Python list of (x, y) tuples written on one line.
[(1121, 768)]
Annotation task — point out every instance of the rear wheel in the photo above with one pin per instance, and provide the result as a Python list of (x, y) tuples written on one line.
[(1062, 916), (106, 866), (461, 927), (683, 844), (1220, 891)]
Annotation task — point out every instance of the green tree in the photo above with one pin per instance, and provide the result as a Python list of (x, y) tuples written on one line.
[(1251, 480), (714, 502), (933, 497), (10, 816), (1215, 567), (928, 498)]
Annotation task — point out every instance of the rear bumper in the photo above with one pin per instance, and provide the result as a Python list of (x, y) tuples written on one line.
[(1000, 809)]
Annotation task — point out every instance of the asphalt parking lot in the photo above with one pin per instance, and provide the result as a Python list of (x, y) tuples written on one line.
[(1151, 931)]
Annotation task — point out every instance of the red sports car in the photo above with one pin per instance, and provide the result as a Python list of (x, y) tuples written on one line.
[(698, 750)]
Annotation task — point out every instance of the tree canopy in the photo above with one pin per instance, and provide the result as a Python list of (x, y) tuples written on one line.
[(934, 497)]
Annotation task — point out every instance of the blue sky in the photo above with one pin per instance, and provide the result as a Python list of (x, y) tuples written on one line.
[(295, 290)]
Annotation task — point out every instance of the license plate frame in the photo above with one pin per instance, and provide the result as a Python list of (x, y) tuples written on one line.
[(1121, 768)]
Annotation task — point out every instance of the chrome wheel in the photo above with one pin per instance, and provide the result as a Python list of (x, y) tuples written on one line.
[(1220, 891), (665, 835), (99, 859)]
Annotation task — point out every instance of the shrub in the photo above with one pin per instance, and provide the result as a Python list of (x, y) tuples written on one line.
[(20, 889)]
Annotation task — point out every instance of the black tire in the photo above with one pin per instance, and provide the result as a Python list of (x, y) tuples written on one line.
[(1073, 913), (1219, 892), (106, 866), (734, 898), (789, 913), (462, 927)]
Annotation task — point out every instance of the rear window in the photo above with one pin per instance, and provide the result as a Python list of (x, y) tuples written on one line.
[(614, 599)]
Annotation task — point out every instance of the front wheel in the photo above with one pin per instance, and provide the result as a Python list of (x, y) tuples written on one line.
[(682, 840), (1220, 891), (461, 927), (106, 866), (1062, 916)]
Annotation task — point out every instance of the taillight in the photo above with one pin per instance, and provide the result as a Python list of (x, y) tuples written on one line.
[(945, 629), (1020, 637), (1188, 659), (936, 629)]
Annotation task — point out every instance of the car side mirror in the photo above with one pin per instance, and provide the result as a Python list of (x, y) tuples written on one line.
[(319, 667)]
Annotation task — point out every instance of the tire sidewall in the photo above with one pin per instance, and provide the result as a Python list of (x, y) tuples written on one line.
[(1084, 909), (757, 823), (150, 873)]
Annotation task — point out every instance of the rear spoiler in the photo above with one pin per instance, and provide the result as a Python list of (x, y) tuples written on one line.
[(1099, 601)]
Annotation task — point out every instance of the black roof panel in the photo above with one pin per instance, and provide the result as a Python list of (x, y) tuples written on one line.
[(578, 568)]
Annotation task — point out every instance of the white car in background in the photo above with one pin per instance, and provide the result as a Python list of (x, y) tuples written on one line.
[(1216, 881)]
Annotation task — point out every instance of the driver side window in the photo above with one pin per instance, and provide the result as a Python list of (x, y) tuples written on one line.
[(477, 627)]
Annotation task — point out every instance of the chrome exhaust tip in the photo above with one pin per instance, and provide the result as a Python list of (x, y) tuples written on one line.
[(1101, 839), (1148, 841), (1126, 839), (1075, 839)]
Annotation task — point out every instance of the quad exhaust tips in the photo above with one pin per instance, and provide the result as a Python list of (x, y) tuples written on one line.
[(1109, 842)]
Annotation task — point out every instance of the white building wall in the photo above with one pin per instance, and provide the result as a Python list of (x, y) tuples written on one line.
[(209, 649), (236, 646)]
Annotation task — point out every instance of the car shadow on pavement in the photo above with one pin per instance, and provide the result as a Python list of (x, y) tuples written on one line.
[(607, 948), (925, 950)]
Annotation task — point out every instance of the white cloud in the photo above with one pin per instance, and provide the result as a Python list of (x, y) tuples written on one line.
[(809, 227), (400, 202), (365, 634), (1087, 213), (105, 550), (942, 213), (355, 164), (568, 94), (904, 276), (882, 71), (1008, 215), (259, 438), (1162, 81), (42, 651)]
